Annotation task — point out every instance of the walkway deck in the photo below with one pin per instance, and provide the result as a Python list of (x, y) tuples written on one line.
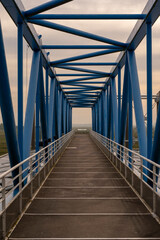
[(85, 197)]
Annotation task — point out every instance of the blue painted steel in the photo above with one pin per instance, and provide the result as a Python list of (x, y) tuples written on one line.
[(155, 156), (100, 115), (76, 75), (130, 130), (43, 107), (85, 87), (109, 112), (59, 113), (20, 88), (78, 47), (77, 32), (30, 105), (137, 104), (114, 108), (97, 119), (89, 64), (149, 89), (77, 83), (91, 16), (37, 116), (64, 115), (55, 115), (80, 79), (67, 116), (84, 56), (122, 128), (70, 118), (83, 70), (119, 99), (47, 96), (45, 7), (7, 110), (105, 113), (51, 107)]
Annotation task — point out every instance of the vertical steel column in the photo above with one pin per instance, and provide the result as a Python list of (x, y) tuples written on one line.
[(64, 115), (70, 118), (104, 113), (156, 146), (93, 118), (100, 115), (109, 112), (47, 117), (114, 108), (59, 113), (67, 117), (20, 88), (56, 111), (51, 107), (37, 117), (119, 100), (97, 119), (130, 130), (7, 110), (30, 104), (130, 117), (149, 89), (43, 107)]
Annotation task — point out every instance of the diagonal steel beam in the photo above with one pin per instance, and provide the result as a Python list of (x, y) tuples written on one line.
[(80, 79), (84, 70), (45, 7), (77, 32), (84, 56), (89, 64)]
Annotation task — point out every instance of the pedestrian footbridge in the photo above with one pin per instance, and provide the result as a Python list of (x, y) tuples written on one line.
[(82, 186)]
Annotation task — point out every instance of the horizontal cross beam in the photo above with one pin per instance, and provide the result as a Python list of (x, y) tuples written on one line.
[(78, 47), (90, 16)]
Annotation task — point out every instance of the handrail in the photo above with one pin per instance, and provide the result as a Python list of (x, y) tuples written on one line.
[(130, 163), (32, 156), (36, 163)]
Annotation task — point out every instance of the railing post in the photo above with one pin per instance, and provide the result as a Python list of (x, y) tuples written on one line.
[(141, 177), (3, 207), (20, 189), (120, 158), (31, 175), (39, 179), (126, 156), (154, 189)]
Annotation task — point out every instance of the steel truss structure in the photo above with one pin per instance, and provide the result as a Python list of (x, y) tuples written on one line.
[(109, 115)]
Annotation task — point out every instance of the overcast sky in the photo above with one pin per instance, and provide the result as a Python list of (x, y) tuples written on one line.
[(117, 30)]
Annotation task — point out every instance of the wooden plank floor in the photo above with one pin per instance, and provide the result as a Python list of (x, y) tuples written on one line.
[(86, 198)]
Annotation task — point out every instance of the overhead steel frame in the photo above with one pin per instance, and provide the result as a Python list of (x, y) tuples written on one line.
[(47, 109), (109, 117)]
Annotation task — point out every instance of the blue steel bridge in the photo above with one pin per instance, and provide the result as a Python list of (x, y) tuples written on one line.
[(80, 184)]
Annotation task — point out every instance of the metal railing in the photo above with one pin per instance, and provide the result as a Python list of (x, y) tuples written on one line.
[(141, 172), (30, 175)]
